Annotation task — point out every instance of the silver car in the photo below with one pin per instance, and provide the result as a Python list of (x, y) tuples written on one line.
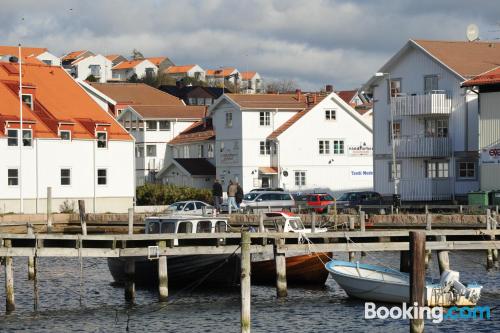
[(191, 207), (273, 199)]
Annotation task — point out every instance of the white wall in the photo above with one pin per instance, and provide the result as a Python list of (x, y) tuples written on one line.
[(47, 56), (83, 67)]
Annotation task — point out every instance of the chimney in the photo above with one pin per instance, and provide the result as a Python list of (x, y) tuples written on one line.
[(298, 92), (329, 88)]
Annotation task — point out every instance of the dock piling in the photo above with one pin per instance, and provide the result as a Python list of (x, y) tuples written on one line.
[(489, 255), (417, 277), (245, 282), (131, 221), (428, 222), (280, 262), (493, 238), (351, 228), (31, 259), (129, 280), (83, 218), (362, 228), (162, 274), (10, 304), (49, 209), (443, 258), (313, 221)]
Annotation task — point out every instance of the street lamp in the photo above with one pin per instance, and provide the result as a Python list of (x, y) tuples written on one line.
[(395, 198)]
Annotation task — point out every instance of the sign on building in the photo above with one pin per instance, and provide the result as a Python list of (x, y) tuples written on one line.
[(490, 155)]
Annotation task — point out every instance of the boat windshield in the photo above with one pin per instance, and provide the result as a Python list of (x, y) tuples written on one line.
[(251, 196), (177, 206), (296, 224), (168, 228)]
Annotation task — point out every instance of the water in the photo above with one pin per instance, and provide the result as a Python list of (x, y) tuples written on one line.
[(304, 310)]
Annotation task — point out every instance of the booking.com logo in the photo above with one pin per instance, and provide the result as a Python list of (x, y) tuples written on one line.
[(437, 313)]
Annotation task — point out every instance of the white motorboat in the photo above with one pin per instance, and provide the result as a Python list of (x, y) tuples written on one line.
[(376, 283)]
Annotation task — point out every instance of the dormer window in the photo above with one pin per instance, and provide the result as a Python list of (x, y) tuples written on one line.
[(65, 135), (102, 139), (28, 100)]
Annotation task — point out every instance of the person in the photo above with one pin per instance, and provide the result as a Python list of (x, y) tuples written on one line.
[(231, 194), (217, 194), (239, 195)]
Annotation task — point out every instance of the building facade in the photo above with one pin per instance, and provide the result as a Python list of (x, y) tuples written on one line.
[(141, 68)]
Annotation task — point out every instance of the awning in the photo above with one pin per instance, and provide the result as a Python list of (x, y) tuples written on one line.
[(268, 171)]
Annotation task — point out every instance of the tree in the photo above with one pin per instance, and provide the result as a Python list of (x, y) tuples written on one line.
[(282, 86), (155, 81), (136, 55), (91, 78)]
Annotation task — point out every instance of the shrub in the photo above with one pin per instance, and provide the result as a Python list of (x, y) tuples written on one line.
[(67, 207), (159, 194)]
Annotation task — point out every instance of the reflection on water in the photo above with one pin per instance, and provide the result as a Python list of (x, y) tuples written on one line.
[(103, 308)]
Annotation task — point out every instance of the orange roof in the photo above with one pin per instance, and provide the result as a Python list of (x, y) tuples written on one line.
[(247, 75), (74, 55), (136, 94), (288, 123), (220, 72), (128, 64), (112, 57), (468, 59), (490, 77), (157, 60), (199, 131), (273, 101), (25, 51), (170, 111), (179, 69), (347, 95), (57, 98)]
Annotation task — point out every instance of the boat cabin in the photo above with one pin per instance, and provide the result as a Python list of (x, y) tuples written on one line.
[(285, 222), (184, 225)]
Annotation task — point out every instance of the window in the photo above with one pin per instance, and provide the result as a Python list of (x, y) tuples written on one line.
[(13, 177), (65, 135), (437, 169), (395, 174), (324, 147), (95, 70), (221, 226), (186, 152), (151, 150), (139, 151), (65, 176), (210, 150), (164, 125), (102, 140), (229, 119), (167, 228), (265, 118), (396, 127), (150, 72), (330, 114), (151, 125), (201, 151), (430, 83), (466, 170), (394, 90), (27, 138), (300, 178), (28, 100), (102, 176), (204, 227), (338, 147), (185, 227), (437, 128), (47, 62), (12, 137), (191, 101), (265, 148)]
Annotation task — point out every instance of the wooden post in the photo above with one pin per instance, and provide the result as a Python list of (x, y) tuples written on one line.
[(162, 274), (10, 304), (443, 258), (493, 238), (489, 256), (461, 209), (269, 208), (261, 222), (362, 228), (31, 259), (351, 228), (313, 221), (280, 262), (131, 221), (129, 280), (245, 282), (49, 209), (428, 222), (83, 218), (392, 209), (417, 277), (404, 261)]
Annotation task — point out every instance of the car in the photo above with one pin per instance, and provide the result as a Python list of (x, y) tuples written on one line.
[(268, 189), (274, 199), (190, 207), (349, 201), (319, 201)]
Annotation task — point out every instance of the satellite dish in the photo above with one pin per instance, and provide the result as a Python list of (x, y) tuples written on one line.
[(472, 32)]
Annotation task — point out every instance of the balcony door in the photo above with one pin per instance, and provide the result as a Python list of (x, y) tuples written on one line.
[(436, 128)]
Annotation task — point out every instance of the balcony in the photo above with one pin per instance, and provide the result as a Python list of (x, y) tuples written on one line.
[(422, 146), (435, 103), (426, 189)]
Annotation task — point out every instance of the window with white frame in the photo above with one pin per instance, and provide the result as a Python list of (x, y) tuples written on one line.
[(12, 139), (338, 147), (210, 150), (151, 125), (27, 138), (12, 177), (102, 176), (300, 178), (139, 151), (330, 114), (437, 128), (394, 89), (102, 139), (265, 118), (95, 70), (65, 135), (229, 119), (396, 172), (265, 148), (66, 176), (28, 100), (324, 147), (437, 169), (466, 170), (164, 125), (151, 150)]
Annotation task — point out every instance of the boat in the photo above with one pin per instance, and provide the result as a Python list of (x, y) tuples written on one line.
[(221, 270), (301, 268), (376, 283)]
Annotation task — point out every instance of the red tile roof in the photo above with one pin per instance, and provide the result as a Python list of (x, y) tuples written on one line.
[(136, 94), (220, 72), (347, 95), (128, 64), (74, 55), (199, 131), (112, 57), (156, 60), (247, 75), (179, 69), (295, 118), (25, 51), (490, 77), (274, 101), (57, 98), (170, 111)]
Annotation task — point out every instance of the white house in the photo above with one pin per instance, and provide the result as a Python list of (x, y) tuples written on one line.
[(140, 68), (28, 53), (179, 72), (217, 76), (435, 120), (83, 64), (251, 83), (299, 142), (68, 143)]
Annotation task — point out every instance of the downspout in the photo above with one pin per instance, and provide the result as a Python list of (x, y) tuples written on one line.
[(278, 148), (478, 135), (94, 143)]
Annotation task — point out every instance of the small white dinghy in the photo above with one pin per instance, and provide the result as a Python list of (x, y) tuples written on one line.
[(376, 283)]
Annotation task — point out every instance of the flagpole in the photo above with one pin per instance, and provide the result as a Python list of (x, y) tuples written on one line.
[(20, 134)]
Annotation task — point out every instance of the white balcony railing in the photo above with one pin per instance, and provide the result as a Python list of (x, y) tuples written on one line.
[(422, 146), (435, 103), (425, 189)]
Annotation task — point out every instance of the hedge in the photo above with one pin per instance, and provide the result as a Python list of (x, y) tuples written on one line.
[(159, 194)]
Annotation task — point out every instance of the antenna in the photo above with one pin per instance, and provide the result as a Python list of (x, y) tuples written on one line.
[(472, 32)]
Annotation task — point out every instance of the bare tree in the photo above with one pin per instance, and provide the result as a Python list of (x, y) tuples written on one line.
[(282, 86), (136, 55)]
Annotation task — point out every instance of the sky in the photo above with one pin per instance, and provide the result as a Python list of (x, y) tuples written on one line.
[(313, 42)]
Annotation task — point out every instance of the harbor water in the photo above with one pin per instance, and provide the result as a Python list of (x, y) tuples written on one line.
[(73, 302)]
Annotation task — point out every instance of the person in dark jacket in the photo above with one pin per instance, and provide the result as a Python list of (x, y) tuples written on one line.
[(217, 194), (239, 194)]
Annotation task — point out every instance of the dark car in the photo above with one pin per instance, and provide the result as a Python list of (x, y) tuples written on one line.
[(350, 201)]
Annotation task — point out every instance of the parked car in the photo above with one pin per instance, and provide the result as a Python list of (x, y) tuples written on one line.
[(190, 207), (350, 201), (300, 199), (268, 189), (319, 200), (273, 199)]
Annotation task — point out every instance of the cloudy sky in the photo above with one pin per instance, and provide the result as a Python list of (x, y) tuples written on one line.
[(313, 42)]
